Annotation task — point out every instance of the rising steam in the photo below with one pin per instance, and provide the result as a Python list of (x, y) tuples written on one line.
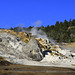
[(38, 33), (37, 23)]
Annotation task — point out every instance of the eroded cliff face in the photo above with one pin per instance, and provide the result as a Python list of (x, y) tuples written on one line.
[(19, 47)]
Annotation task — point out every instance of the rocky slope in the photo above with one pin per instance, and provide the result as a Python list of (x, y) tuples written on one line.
[(24, 48)]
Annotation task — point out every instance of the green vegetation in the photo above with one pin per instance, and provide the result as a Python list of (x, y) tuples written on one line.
[(61, 31)]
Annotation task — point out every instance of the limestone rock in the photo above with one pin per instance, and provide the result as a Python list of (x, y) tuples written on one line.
[(33, 50), (11, 45), (23, 46)]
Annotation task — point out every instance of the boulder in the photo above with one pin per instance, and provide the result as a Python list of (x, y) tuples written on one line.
[(33, 50)]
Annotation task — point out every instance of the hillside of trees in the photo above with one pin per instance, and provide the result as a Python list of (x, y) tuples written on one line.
[(61, 31)]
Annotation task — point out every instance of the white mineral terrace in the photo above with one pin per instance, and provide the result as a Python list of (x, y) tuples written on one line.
[(12, 50), (48, 60)]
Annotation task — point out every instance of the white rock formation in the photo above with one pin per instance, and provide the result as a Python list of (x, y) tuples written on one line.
[(17, 51)]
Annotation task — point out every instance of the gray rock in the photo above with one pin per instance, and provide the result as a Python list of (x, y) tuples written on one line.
[(35, 56), (11, 45), (0, 39), (33, 50)]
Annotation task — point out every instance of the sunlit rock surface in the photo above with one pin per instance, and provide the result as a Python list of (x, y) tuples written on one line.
[(24, 48), (33, 50)]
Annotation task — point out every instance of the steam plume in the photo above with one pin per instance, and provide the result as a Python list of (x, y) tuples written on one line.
[(38, 33)]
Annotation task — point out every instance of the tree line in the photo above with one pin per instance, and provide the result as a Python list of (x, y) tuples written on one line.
[(61, 31)]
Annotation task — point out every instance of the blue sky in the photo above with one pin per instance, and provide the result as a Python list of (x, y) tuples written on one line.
[(31, 12)]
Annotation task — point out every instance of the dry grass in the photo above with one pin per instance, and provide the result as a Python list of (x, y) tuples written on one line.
[(14, 69), (34, 73), (71, 44), (68, 46)]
